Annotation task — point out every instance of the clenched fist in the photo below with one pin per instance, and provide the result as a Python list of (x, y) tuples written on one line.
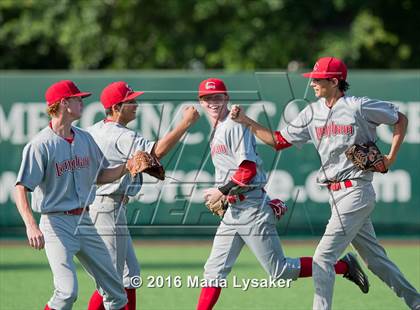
[(237, 114), (190, 115)]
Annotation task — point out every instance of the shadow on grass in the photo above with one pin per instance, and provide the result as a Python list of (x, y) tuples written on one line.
[(145, 266)]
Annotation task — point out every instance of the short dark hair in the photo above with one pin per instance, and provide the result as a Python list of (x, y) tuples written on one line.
[(343, 85), (108, 111)]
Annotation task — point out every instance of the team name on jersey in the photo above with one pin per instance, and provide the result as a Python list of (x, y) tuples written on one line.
[(333, 129), (71, 165), (218, 149)]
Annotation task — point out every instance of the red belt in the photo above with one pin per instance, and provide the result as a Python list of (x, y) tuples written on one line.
[(77, 211), (339, 185), (235, 198)]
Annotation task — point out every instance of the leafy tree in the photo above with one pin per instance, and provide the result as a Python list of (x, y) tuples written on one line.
[(222, 34)]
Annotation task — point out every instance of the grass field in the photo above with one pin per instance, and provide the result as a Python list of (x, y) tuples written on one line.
[(26, 280)]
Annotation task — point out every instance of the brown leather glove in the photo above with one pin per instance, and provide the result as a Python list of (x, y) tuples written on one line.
[(143, 162), (218, 207), (367, 157)]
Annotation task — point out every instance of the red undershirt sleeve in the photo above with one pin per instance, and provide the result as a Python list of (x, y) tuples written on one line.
[(281, 142)]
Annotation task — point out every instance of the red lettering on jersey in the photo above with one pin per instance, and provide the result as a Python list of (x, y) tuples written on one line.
[(71, 165), (333, 129), (219, 149)]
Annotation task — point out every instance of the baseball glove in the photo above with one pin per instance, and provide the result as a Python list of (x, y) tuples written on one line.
[(143, 162), (367, 157), (218, 207)]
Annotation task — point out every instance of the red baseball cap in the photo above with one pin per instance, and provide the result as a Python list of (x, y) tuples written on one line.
[(211, 86), (118, 92), (328, 67), (63, 89)]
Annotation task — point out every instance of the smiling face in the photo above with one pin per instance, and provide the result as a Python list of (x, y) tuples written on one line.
[(215, 105), (324, 88)]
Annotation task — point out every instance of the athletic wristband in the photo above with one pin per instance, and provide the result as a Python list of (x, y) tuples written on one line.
[(281, 142), (225, 189)]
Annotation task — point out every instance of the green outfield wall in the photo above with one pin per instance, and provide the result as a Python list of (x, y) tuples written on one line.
[(175, 207)]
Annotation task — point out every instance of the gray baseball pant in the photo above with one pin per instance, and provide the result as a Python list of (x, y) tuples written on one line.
[(109, 216), (253, 223), (350, 222), (64, 239)]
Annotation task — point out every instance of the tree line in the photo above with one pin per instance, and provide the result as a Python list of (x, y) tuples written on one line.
[(207, 34)]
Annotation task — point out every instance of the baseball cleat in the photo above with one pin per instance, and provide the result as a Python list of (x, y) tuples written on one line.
[(355, 273)]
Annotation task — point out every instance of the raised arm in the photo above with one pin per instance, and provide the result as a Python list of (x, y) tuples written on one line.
[(274, 139), (400, 128), (164, 145), (34, 234), (262, 133)]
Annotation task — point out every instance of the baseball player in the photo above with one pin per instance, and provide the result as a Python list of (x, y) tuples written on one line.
[(251, 217), (333, 123), (59, 167), (117, 142)]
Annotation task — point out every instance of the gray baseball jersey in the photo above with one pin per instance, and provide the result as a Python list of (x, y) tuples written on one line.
[(351, 120), (251, 221), (233, 143), (118, 143), (60, 174)]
